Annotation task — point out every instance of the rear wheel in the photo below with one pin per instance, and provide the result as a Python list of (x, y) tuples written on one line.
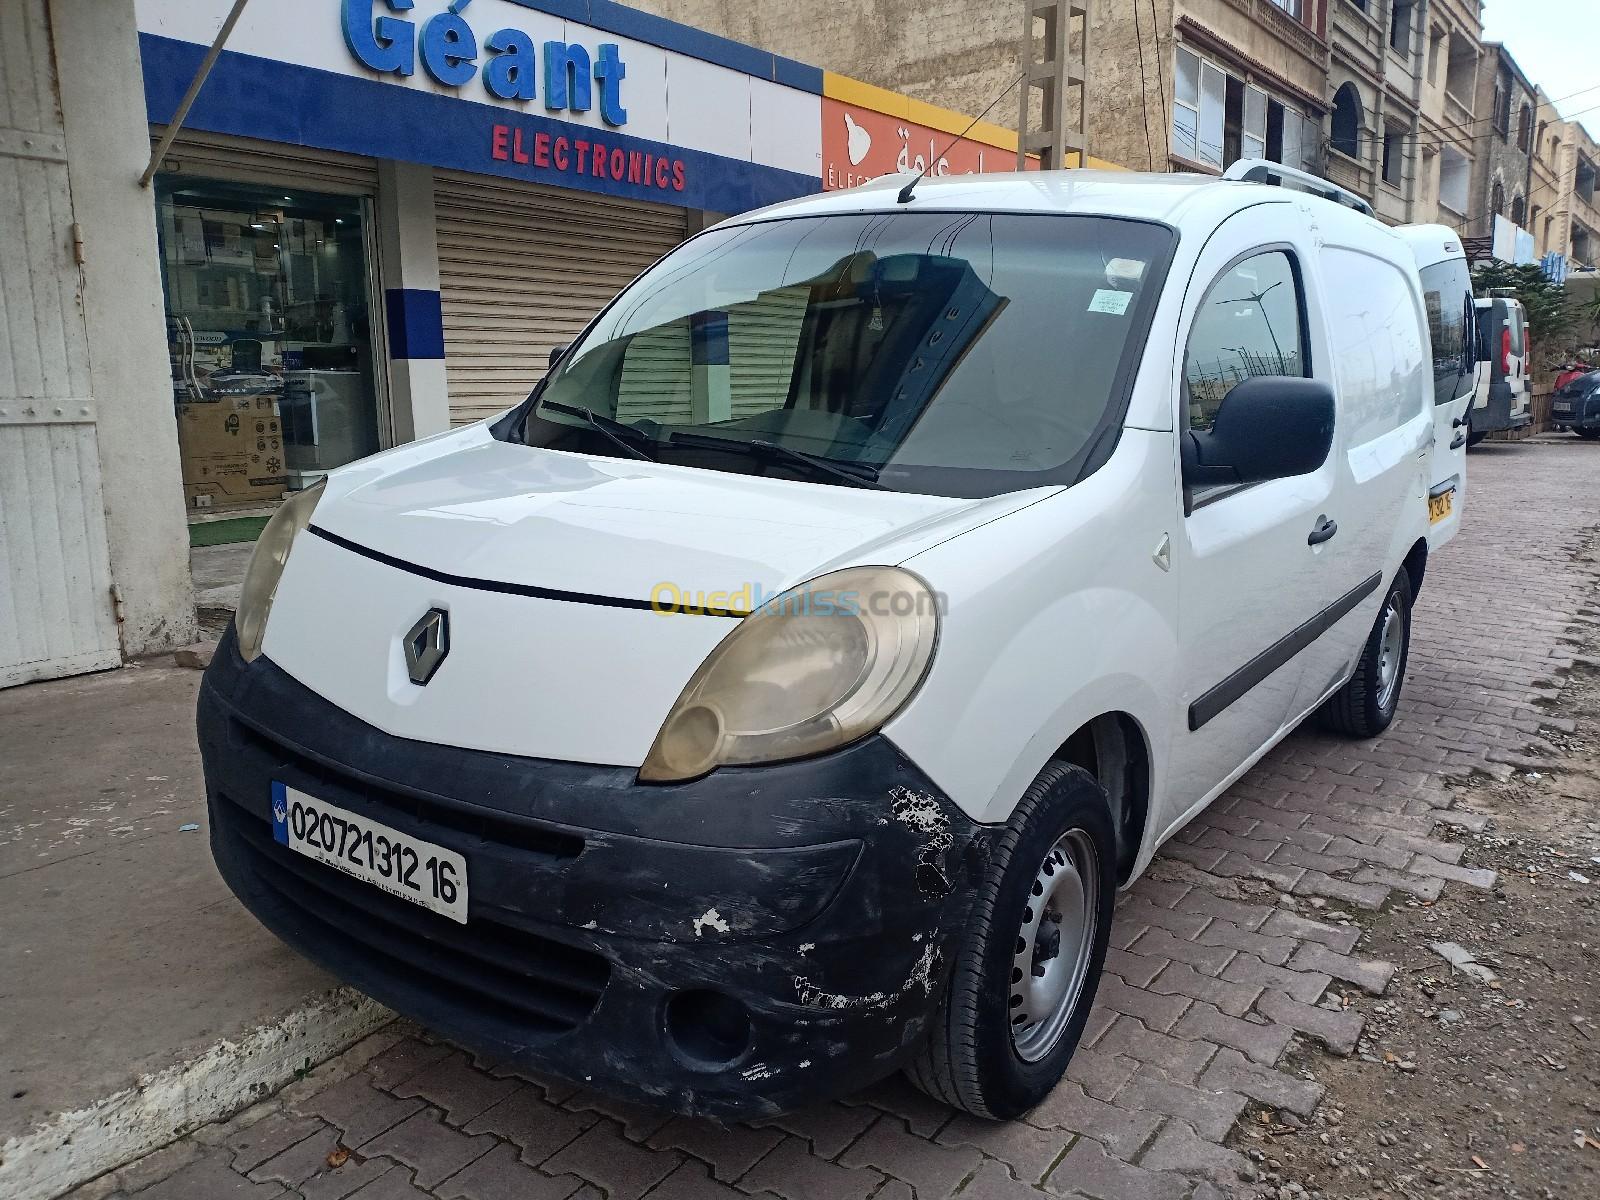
[(1365, 705), (1474, 438), (1029, 960), (1588, 434)]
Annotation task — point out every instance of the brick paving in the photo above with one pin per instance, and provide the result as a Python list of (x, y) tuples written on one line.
[(1230, 970)]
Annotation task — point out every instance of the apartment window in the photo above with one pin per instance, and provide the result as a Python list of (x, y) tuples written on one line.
[(1525, 128), (1295, 8), (1435, 48), (1347, 121), (1543, 126), (1392, 140), (1455, 180), (1582, 244), (1519, 212), (1583, 180), (1461, 70), (1502, 106), (1218, 119), (1497, 200), (1400, 25)]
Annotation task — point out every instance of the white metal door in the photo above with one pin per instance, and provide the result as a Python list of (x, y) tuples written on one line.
[(1248, 572), (56, 610), (522, 269)]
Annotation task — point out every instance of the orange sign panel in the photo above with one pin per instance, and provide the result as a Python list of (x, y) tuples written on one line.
[(859, 145)]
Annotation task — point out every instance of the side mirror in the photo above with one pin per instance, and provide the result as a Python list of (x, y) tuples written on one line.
[(556, 353), (1268, 427)]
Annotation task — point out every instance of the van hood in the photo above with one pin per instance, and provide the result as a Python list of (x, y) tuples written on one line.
[(548, 668), (476, 508)]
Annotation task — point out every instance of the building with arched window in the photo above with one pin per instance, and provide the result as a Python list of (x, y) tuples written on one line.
[(1346, 122), (1507, 105)]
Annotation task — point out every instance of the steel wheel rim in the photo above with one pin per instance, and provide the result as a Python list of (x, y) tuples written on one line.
[(1391, 648), (1054, 945)]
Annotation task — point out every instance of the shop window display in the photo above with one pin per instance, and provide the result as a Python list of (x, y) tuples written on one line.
[(268, 299)]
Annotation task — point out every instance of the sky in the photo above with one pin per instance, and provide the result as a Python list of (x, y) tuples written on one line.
[(1554, 43)]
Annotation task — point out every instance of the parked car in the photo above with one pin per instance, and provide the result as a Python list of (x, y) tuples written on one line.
[(778, 697), (1504, 398), (1576, 405)]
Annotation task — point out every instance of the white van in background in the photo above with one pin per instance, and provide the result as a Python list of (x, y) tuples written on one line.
[(1504, 397), (779, 695)]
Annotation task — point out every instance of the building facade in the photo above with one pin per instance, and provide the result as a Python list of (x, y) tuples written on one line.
[(1506, 100), (1442, 153), (1577, 211), (375, 223)]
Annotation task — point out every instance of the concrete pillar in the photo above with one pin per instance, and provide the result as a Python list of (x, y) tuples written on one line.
[(408, 258), (108, 143)]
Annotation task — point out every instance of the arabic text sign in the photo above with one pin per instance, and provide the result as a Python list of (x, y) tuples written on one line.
[(859, 145)]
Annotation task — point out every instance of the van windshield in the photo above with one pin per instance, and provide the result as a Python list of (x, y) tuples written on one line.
[(959, 354)]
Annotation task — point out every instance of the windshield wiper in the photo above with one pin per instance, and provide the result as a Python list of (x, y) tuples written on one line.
[(858, 474), (619, 432)]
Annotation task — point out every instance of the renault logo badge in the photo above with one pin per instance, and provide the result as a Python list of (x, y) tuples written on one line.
[(426, 645)]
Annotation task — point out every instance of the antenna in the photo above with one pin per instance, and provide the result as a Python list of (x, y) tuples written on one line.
[(905, 196)]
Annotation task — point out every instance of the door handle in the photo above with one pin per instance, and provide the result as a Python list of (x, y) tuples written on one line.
[(1326, 528), (1461, 440)]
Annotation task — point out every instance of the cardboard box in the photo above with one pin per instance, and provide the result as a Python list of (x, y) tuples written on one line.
[(231, 451)]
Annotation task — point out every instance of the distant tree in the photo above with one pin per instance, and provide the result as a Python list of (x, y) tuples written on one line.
[(1551, 317)]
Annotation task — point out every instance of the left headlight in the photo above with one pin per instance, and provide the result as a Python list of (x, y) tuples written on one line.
[(266, 568), (815, 668)]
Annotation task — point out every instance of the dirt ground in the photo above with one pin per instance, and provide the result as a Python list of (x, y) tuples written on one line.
[(1474, 1083)]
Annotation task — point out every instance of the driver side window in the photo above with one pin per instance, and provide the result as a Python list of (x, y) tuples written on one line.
[(1249, 324)]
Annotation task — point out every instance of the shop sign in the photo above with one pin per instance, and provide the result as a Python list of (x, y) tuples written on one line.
[(584, 156), (859, 145), (512, 66)]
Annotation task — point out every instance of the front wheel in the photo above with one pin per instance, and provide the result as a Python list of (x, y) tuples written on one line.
[(1588, 434), (1365, 706), (1028, 963), (1474, 438)]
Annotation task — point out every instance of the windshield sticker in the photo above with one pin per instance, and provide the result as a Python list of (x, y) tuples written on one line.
[(1107, 301)]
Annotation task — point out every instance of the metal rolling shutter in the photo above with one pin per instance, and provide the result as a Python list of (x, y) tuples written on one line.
[(763, 336), (212, 156), (522, 268)]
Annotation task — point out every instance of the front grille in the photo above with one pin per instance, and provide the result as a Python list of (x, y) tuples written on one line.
[(508, 978), (519, 833)]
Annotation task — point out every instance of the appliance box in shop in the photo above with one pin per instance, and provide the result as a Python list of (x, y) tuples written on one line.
[(232, 451)]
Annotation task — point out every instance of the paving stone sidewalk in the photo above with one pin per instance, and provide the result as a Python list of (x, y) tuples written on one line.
[(1226, 979)]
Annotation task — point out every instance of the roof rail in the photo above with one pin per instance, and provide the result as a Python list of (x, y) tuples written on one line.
[(1261, 170)]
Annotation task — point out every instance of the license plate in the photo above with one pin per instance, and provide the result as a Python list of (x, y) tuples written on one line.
[(426, 875), (1561, 406), (1439, 506)]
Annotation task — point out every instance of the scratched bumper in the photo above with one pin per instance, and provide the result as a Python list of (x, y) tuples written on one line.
[(820, 895)]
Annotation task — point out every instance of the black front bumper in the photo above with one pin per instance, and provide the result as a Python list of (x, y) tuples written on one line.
[(822, 896), (1582, 412)]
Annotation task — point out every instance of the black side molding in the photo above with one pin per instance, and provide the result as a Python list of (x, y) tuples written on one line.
[(1275, 655)]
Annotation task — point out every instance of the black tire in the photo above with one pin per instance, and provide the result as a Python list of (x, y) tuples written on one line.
[(1588, 435), (1474, 438), (970, 1060), (1360, 709)]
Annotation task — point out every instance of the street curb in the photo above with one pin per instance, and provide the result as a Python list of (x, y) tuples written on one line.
[(77, 1146)]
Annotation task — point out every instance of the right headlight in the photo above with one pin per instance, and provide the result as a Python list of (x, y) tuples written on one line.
[(817, 667), (266, 568)]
